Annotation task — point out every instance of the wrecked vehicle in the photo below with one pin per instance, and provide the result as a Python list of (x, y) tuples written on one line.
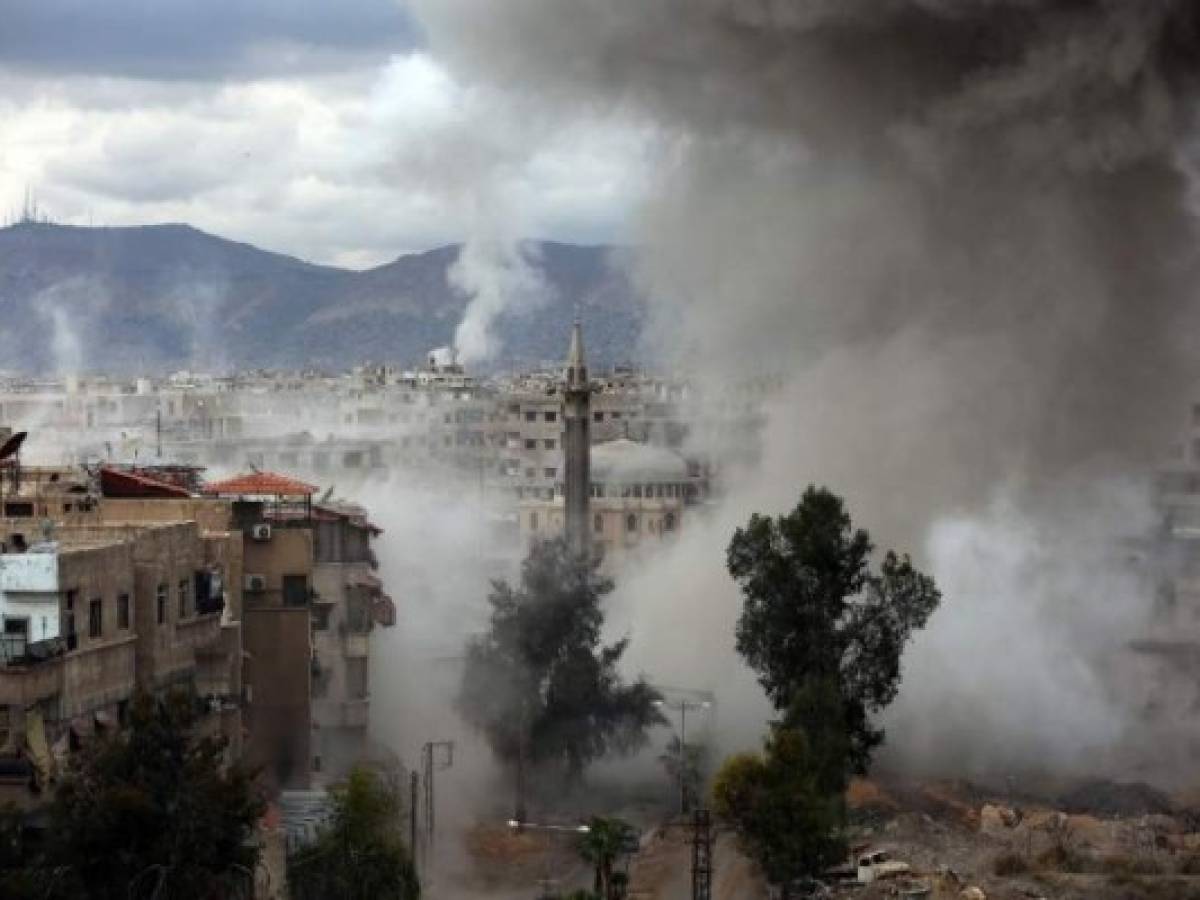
[(877, 865)]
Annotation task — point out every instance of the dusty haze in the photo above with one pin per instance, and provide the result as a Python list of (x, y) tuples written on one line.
[(962, 232)]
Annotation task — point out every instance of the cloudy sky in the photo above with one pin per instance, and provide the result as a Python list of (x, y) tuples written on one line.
[(325, 130)]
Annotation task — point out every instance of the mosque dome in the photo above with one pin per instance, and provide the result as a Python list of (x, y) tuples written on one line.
[(628, 462)]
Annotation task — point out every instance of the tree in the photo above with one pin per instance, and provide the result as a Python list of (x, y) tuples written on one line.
[(785, 817), (539, 684), (360, 853), (154, 811), (604, 843), (822, 630)]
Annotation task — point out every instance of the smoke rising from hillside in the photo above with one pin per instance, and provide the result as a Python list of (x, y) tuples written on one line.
[(500, 278), (960, 228)]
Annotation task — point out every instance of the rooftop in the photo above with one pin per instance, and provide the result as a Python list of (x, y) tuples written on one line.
[(260, 484)]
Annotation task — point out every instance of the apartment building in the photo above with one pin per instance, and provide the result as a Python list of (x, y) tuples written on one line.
[(92, 612)]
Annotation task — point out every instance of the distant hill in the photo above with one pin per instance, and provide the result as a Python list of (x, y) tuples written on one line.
[(164, 297)]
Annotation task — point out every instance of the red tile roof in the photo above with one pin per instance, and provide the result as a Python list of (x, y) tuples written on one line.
[(261, 483), (119, 483)]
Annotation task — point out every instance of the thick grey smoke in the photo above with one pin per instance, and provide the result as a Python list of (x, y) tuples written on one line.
[(959, 228)]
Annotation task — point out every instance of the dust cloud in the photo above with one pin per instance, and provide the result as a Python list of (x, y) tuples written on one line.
[(960, 232)]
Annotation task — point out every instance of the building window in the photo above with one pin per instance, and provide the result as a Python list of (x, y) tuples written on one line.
[(530, 444), (548, 443), (637, 490), (96, 618), (669, 522), (123, 611), (183, 598), (356, 678), (160, 603), (68, 628), (598, 522), (533, 522), (631, 523), (551, 417), (597, 417), (550, 471), (531, 416), (295, 590)]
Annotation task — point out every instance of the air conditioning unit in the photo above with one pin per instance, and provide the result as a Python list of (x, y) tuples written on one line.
[(261, 532), (256, 583)]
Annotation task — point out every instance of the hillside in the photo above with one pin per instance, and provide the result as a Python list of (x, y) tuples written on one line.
[(169, 296)]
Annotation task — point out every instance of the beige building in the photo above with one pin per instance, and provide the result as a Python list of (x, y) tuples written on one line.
[(90, 613), (640, 496)]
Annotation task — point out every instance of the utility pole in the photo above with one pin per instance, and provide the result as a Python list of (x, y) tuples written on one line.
[(683, 706), (701, 855), (427, 764), (413, 781)]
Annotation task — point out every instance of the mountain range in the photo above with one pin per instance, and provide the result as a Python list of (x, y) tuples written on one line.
[(166, 297)]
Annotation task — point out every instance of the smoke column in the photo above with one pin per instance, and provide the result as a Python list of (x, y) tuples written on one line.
[(960, 229)]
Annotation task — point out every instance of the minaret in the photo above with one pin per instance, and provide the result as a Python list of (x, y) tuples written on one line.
[(577, 446)]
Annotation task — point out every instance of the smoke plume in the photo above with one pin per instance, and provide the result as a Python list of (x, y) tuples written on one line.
[(960, 230), (500, 277)]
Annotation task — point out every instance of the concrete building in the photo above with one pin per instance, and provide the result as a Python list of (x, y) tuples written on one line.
[(94, 613), (312, 599), (639, 497)]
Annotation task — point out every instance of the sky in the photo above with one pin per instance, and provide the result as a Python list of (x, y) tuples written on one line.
[(324, 130)]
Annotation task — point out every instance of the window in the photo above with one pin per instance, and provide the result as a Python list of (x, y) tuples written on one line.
[(514, 409), (356, 678), (295, 590), (548, 443), (597, 522), (669, 522), (597, 417), (96, 618), (631, 523), (531, 416), (16, 637), (530, 444), (160, 603), (184, 598), (68, 628), (18, 510), (550, 471), (551, 417), (533, 522), (123, 611), (637, 490)]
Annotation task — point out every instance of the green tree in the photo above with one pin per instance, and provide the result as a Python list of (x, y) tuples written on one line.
[(360, 853), (154, 811), (604, 843), (539, 684), (821, 628), (785, 817), (24, 874)]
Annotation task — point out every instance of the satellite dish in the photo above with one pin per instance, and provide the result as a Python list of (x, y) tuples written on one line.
[(13, 444)]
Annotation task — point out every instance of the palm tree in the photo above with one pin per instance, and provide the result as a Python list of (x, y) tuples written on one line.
[(604, 842)]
